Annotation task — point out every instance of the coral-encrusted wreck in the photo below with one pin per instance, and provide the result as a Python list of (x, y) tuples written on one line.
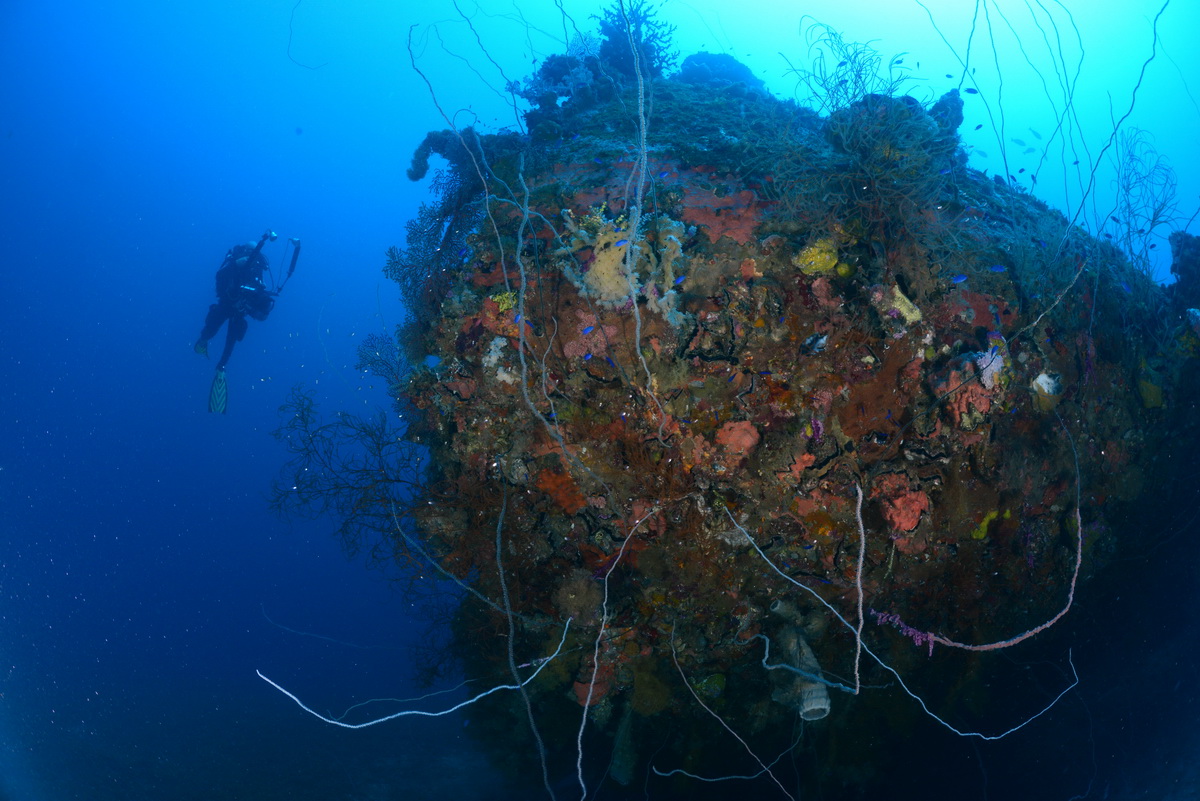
[(681, 318)]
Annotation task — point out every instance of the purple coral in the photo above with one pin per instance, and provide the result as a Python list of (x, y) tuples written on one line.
[(892, 619)]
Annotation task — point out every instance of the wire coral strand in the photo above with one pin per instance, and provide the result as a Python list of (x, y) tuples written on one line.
[(900, 679), (995, 646), (862, 556), (705, 707), (512, 638), (638, 177), (596, 655), (420, 712)]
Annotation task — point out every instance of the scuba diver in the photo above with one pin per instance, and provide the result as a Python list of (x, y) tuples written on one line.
[(241, 292)]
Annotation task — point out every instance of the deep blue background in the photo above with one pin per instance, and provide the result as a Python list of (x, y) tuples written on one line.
[(138, 141)]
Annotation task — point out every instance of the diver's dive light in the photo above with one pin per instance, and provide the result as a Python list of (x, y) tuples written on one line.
[(268, 236)]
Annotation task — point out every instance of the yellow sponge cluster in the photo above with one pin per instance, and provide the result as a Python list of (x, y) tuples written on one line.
[(608, 278), (818, 258), (606, 273)]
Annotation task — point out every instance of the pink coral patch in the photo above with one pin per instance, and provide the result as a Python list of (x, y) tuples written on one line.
[(902, 507), (801, 463), (739, 438)]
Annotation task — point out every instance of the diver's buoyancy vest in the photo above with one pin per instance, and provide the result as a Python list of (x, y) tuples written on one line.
[(239, 283)]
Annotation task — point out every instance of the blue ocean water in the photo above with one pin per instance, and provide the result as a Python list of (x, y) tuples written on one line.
[(143, 579)]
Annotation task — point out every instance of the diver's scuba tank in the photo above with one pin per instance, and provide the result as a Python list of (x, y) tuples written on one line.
[(253, 298), (258, 301)]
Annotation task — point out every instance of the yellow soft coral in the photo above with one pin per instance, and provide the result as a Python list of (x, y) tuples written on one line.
[(505, 300)]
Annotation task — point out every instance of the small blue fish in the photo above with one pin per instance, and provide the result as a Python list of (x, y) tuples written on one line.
[(679, 280), (587, 357), (980, 125), (611, 363), (958, 279), (1126, 287), (971, 91), (764, 372), (622, 243), (598, 160), (589, 329), (944, 171), (997, 268), (462, 253), (664, 173)]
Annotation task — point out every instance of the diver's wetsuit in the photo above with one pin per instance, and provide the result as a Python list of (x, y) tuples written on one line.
[(240, 291)]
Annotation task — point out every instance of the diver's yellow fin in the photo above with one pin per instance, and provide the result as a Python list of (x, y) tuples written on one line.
[(218, 395)]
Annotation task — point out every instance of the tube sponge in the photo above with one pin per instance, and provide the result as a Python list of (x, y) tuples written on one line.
[(809, 696), (800, 686)]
